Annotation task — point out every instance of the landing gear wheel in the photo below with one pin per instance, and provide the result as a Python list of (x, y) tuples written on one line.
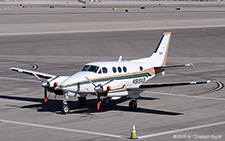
[(82, 100), (65, 109), (133, 104)]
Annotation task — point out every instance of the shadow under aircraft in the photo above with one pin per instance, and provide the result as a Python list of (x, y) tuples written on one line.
[(54, 106)]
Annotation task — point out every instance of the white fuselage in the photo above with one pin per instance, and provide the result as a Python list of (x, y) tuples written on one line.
[(123, 74)]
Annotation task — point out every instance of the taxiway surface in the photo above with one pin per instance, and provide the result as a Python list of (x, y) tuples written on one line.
[(163, 114), (42, 38)]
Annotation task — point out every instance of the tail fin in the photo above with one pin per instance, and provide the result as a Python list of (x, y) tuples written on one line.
[(159, 57)]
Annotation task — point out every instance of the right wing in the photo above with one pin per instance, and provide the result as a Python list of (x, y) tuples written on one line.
[(34, 73)]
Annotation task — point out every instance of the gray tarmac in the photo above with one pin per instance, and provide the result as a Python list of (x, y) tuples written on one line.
[(176, 113), (101, 17)]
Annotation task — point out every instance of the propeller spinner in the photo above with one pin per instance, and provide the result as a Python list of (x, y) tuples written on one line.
[(100, 90)]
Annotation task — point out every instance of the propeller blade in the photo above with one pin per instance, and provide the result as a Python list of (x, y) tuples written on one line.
[(90, 81), (98, 105), (108, 82), (36, 76), (99, 102), (45, 96)]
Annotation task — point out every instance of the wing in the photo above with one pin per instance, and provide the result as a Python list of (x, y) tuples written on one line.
[(154, 85), (34, 73)]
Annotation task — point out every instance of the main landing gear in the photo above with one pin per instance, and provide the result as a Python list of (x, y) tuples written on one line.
[(133, 104)]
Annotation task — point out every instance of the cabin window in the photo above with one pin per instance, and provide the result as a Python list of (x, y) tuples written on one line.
[(119, 69), (141, 68), (114, 69), (90, 68), (124, 69), (104, 70), (100, 71)]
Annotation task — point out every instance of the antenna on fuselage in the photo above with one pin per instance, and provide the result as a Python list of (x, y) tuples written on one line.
[(120, 58)]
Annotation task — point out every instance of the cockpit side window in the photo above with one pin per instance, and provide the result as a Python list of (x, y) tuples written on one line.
[(85, 68), (90, 68), (93, 68)]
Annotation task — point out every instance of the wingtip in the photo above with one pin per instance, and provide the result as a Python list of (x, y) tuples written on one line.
[(209, 81), (11, 68), (14, 69), (189, 65)]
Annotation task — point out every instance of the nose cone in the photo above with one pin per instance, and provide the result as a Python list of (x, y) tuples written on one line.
[(72, 84)]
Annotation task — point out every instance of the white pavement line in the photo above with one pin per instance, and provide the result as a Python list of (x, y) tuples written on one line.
[(181, 130), (60, 128), (199, 97), (107, 30), (17, 79)]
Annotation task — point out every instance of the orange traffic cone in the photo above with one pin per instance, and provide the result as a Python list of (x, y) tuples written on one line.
[(133, 133)]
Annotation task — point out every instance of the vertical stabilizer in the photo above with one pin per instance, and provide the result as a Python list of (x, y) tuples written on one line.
[(159, 57)]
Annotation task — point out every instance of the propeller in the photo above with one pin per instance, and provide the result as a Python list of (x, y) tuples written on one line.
[(99, 89), (44, 84)]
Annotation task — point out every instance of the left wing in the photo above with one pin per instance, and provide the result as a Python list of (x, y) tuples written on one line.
[(34, 73), (154, 85)]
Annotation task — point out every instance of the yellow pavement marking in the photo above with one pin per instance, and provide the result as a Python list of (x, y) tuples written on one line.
[(204, 30)]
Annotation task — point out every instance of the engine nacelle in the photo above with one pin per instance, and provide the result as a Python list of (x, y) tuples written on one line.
[(104, 93)]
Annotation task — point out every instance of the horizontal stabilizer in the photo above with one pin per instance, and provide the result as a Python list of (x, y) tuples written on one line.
[(153, 85), (175, 66), (39, 74)]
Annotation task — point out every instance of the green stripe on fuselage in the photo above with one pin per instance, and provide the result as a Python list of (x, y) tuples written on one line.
[(147, 74)]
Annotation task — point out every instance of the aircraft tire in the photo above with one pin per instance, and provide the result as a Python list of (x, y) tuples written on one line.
[(65, 109), (133, 104), (82, 100)]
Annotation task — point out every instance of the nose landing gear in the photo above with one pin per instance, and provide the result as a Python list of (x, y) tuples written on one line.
[(65, 109)]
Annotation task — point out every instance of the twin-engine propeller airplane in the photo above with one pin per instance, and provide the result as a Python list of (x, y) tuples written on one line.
[(111, 80)]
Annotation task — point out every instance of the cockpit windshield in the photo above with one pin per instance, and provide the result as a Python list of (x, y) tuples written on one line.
[(90, 68)]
